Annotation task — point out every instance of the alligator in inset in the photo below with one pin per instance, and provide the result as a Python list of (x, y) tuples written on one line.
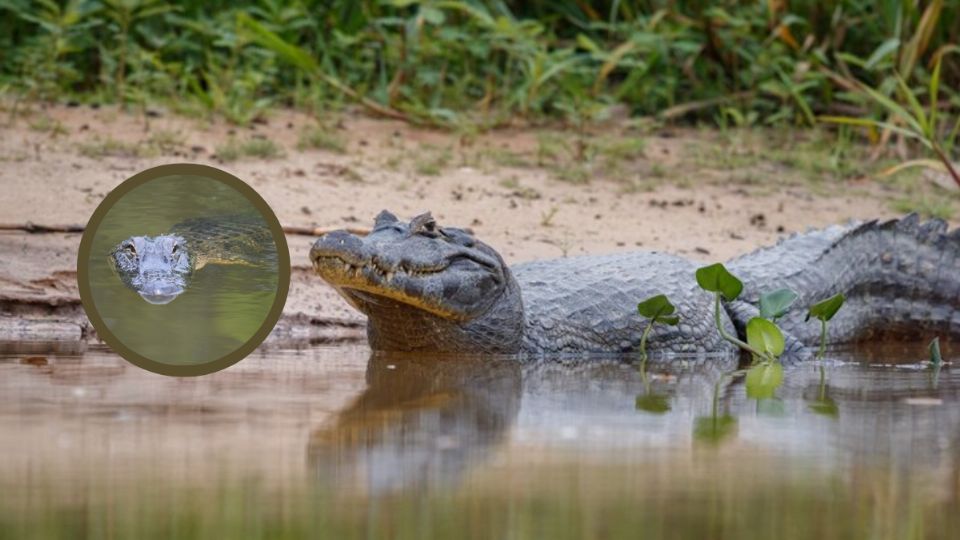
[(159, 267), (429, 288)]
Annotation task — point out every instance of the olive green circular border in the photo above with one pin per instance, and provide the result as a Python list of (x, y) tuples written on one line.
[(283, 268)]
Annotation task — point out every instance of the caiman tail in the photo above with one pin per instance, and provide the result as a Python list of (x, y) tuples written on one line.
[(901, 279)]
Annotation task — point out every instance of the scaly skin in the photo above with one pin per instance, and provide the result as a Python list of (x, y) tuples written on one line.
[(434, 289)]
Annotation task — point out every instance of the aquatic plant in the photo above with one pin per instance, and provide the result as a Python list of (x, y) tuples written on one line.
[(936, 359), (764, 339), (659, 310), (825, 311), (775, 304), (763, 379)]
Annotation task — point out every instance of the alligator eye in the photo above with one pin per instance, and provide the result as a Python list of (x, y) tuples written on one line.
[(129, 248), (176, 248)]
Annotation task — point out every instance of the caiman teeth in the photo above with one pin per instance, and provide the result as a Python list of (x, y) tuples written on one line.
[(387, 274)]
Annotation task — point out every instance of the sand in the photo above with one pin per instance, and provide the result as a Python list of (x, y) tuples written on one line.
[(659, 198)]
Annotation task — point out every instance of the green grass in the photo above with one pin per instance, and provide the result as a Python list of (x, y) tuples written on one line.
[(472, 66), (48, 125), (101, 147), (431, 161), (165, 141), (925, 206), (322, 138), (486, 61), (254, 147)]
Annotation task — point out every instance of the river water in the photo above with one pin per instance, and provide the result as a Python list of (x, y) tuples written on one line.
[(331, 442)]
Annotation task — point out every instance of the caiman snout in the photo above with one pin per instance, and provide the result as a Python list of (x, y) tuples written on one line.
[(156, 268), (159, 292), (339, 244)]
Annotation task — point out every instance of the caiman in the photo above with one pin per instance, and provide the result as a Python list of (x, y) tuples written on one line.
[(159, 268), (429, 288)]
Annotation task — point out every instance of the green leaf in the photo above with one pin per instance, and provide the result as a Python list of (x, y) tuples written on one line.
[(714, 429), (432, 15), (895, 109), (771, 407), (653, 403), (935, 93), (935, 357), (764, 336), (775, 304), (825, 407), (764, 379), (289, 52), (716, 278), (827, 309), (658, 309), (867, 122), (885, 49), (918, 112)]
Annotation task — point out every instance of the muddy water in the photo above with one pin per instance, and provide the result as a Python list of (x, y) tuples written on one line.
[(330, 442)]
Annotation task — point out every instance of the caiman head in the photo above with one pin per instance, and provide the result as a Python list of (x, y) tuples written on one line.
[(424, 287), (156, 267)]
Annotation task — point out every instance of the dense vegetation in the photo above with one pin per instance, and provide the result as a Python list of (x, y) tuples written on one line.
[(484, 61)]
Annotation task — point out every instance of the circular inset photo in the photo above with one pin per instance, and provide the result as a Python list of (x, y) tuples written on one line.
[(183, 269)]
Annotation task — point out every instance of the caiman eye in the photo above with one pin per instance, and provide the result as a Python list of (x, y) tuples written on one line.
[(424, 223), (130, 249), (176, 248)]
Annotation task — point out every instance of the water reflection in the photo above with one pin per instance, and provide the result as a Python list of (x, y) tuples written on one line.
[(420, 422), (333, 442)]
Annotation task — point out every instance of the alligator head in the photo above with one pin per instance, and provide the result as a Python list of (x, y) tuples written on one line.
[(424, 287), (156, 267)]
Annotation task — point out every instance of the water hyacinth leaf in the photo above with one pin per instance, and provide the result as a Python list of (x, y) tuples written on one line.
[(764, 379), (775, 304), (825, 407), (714, 429), (659, 309), (827, 309), (935, 357), (653, 403), (715, 278), (764, 336), (771, 407)]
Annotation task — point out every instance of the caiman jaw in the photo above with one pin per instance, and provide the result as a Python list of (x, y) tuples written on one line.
[(354, 277)]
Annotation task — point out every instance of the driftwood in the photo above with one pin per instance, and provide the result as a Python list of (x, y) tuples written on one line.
[(31, 227), (35, 228), (318, 231)]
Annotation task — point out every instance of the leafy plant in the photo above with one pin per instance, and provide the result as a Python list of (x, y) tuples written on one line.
[(659, 310), (650, 401), (763, 379), (936, 359), (824, 311), (824, 404), (486, 62), (775, 304), (766, 337), (717, 427), (717, 279)]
